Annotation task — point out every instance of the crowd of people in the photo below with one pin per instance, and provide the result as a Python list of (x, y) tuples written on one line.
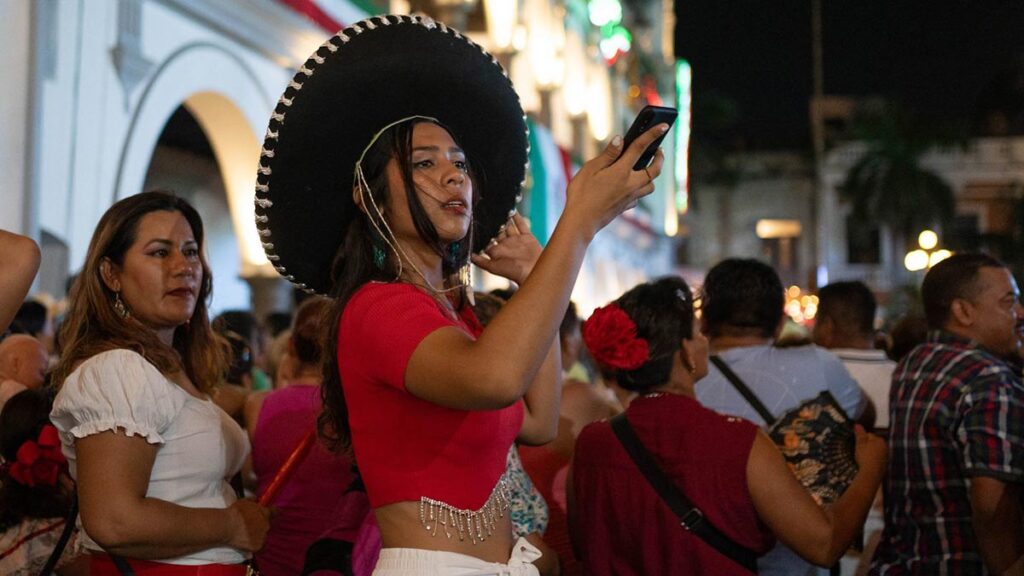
[(399, 423)]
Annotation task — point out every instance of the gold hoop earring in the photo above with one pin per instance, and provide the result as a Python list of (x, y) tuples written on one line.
[(119, 307)]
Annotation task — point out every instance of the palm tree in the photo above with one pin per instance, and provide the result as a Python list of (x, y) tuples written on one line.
[(888, 185)]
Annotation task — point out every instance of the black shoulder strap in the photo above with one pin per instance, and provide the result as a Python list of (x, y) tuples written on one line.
[(122, 565), (65, 535), (747, 393), (690, 517)]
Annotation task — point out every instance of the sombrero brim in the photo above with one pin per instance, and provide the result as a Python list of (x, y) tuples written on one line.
[(370, 74)]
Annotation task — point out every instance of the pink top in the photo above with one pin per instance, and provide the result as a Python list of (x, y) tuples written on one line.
[(313, 501), (407, 447)]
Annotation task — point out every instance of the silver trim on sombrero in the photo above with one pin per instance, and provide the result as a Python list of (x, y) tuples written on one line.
[(262, 201)]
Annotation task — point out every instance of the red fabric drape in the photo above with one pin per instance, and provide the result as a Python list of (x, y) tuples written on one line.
[(310, 9)]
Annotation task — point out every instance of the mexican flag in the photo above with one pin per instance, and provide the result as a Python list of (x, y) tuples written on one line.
[(551, 167)]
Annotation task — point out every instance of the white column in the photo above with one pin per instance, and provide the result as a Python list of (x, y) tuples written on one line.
[(15, 115)]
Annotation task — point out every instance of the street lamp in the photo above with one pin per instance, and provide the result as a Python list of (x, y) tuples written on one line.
[(926, 255)]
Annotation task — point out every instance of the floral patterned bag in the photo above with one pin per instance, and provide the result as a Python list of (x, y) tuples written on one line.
[(816, 438)]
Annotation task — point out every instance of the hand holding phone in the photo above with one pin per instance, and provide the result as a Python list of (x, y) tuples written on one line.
[(649, 117)]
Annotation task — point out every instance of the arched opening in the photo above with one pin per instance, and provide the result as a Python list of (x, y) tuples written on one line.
[(184, 162), (230, 104)]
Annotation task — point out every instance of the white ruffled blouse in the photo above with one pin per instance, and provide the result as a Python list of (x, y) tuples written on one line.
[(201, 447)]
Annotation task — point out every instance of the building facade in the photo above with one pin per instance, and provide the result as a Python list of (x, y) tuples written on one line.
[(107, 98)]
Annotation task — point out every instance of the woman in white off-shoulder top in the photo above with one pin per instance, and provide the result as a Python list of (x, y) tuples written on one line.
[(151, 453)]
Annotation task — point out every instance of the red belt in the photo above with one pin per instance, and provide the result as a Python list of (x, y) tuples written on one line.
[(102, 565)]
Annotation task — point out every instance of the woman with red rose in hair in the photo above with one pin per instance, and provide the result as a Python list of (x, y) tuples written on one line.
[(744, 494), (35, 492)]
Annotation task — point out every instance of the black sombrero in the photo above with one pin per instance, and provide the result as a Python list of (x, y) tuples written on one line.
[(369, 75)]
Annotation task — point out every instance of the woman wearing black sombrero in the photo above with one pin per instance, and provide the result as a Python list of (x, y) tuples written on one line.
[(399, 150)]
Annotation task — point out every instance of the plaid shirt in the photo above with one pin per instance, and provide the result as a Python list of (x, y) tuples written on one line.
[(956, 411)]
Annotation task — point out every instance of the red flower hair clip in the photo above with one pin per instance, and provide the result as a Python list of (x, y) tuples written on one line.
[(610, 335), (39, 461)]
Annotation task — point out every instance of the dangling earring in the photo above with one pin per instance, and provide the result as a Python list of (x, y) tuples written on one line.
[(376, 246), (119, 307), (453, 252)]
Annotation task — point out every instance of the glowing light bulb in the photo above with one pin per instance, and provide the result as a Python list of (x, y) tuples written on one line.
[(928, 239)]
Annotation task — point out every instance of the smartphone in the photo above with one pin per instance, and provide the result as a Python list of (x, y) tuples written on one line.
[(649, 117)]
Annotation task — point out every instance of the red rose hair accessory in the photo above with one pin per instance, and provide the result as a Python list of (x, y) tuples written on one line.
[(610, 335), (40, 461)]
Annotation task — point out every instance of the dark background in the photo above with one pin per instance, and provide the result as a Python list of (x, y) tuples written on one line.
[(945, 61)]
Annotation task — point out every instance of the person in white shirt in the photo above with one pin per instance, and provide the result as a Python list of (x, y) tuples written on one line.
[(150, 451), (845, 324)]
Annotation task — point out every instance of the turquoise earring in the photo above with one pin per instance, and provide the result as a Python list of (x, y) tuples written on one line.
[(453, 252)]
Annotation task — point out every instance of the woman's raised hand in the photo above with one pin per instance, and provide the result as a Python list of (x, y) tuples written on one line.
[(250, 523), (869, 450), (513, 253), (607, 185)]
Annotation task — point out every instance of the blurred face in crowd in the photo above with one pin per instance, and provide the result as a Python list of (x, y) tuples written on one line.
[(992, 314), (160, 278), (24, 360)]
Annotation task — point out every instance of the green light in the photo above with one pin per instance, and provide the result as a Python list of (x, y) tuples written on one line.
[(684, 98), (615, 40)]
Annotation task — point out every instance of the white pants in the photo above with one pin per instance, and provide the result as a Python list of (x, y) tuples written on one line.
[(409, 561)]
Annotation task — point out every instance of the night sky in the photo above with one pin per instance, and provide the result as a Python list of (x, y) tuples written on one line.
[(944, 61)]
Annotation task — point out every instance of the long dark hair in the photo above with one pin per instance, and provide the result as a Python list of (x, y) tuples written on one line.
[(92, 326), (354, 264), (21, 419)]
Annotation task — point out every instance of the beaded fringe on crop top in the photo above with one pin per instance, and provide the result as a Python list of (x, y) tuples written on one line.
[(477, 525)]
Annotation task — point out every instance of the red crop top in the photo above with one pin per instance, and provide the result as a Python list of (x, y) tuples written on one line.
[(407, 448)]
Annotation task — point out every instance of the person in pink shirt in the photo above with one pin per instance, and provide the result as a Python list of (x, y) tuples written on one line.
[(319, 497)]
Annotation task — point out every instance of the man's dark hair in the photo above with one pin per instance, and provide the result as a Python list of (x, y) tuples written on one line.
[(570, 322), (30, 319), (503, 293), (851, 305), (242, 322), (953, 278), (742, 296), (277, 322)]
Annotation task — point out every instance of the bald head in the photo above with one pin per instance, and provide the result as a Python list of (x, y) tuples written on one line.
[(24, 360)]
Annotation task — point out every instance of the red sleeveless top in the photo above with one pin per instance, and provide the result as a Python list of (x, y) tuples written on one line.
[(626, 529), (405, 447)]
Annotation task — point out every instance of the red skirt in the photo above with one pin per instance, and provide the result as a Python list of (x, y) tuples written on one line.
[(102, 565)]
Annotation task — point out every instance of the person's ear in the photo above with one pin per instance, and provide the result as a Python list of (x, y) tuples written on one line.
[(110, 275), (962, 311), (687, 355), (357, 197)]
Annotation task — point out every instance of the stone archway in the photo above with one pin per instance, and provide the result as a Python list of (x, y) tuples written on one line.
[(232, 107)]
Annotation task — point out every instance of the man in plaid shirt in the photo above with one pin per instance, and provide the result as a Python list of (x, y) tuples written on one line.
[(953, 498)]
